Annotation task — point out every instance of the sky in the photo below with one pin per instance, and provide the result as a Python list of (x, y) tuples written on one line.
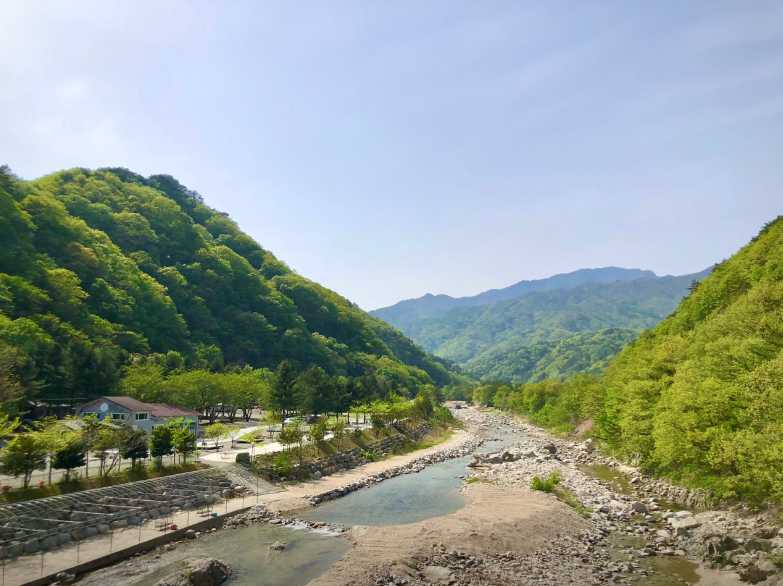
[(390, 149)]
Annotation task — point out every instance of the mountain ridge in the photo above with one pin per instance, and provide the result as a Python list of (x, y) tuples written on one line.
[(432, 304), (510, 339)]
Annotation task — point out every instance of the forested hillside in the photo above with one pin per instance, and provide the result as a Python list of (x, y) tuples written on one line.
[(587, 351), (551, 332), (405, 314), (699, 397), (99, 267)]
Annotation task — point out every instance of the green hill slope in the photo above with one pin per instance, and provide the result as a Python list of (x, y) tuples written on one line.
[(96, 266), (581, 352), (700, 397), (527, 338)]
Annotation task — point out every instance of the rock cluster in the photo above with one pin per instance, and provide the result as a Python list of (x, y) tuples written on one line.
[(564, 561), (199, 572), (260, 514), (736, 540), (748, 544)]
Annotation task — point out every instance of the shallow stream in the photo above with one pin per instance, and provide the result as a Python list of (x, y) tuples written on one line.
[(404, 499), (408, 498), (307, 555)]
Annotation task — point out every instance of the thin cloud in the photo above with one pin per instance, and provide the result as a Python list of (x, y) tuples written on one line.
[(755, 22)]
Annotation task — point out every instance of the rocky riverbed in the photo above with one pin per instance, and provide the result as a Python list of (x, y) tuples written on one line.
[(630, 503), (605, 523)]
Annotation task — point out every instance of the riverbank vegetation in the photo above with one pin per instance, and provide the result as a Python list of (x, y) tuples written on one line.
[(72, 444), (699, 398), (391, 417)]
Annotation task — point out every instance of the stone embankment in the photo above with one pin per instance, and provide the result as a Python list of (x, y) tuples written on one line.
[(350, 458), (259, 514), (735, 540), (417, 465)]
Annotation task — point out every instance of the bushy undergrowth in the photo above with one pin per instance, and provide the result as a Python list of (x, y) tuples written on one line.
[(547, 484)]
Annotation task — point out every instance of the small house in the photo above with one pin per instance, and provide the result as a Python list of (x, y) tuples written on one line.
[(146, 416)]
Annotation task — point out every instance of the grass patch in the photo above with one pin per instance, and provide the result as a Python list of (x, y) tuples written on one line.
[(437, 436), (252, 437), (547, 484), (569, 498), (551, 484), (476, 480)]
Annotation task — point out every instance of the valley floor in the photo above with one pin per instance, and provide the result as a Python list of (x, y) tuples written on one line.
[(508, 533), (623, 530)]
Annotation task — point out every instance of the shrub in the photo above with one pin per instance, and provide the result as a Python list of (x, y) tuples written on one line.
[(370, 455), (547, 484), (282, 464)]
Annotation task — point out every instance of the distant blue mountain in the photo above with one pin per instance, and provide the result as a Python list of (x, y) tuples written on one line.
[(552, 327), (404, 313)]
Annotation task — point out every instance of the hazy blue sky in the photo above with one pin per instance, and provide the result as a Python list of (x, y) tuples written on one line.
[(389, 149)]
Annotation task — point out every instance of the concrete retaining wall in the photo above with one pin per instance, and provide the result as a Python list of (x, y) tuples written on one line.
[(123, 554)]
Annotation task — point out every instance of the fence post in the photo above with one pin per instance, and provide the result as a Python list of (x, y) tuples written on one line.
[(111, 540), (42, 563), (77, 550)]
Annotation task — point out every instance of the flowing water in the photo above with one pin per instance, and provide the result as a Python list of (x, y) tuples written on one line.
[(433, 492), (404, 499), (408, 498), (307, 555)]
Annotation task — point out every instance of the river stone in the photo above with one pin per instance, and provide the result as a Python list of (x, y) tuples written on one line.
[(278, 546), (437, 574), (755, 544), (199, 572), (64, 538), (757, 572), (684, 524)]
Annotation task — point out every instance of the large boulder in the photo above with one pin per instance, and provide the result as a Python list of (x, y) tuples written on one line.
[(199, 572), (683, 523), (758, 571)]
